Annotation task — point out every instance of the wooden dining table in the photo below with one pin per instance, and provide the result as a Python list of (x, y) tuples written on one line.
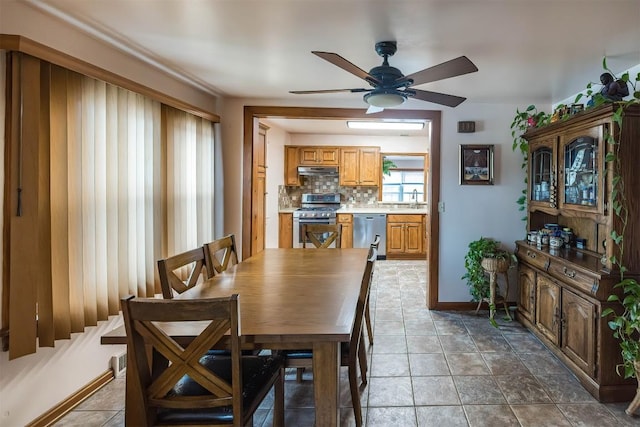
[(289, 299)]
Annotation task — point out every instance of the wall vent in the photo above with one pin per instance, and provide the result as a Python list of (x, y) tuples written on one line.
[(119, 364)]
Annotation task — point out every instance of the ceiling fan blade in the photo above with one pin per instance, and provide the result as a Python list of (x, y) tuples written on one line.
[(438, 98), (453, 68), (373, 109), (339, 61), (305, 92)]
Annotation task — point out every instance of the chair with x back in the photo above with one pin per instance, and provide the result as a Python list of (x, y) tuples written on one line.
[(178, 382), (353, 353), (322, 235), (182, 271), (220, 254)]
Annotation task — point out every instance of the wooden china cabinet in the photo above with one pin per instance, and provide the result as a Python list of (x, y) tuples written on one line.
[(563, 291)]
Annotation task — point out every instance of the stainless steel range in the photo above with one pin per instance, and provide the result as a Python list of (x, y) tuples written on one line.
[(316, 208)]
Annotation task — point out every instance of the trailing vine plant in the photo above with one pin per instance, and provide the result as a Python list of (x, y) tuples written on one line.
[(625, 324)]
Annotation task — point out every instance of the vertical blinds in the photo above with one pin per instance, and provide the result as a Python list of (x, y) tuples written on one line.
[(123, 182)]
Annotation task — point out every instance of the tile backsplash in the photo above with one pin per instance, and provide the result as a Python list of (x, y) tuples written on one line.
[(289, 197)]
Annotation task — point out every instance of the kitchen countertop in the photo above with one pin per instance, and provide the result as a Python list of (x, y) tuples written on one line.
[(344, 209)]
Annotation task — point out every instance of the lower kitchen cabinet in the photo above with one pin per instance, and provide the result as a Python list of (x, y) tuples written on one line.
[(285, 234), (346, 240), (405, 236), (561, 302)]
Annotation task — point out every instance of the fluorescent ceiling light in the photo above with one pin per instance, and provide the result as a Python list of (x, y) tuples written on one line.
[(385, 125)]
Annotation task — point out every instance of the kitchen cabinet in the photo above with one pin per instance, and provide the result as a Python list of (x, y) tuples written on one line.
[(405, 236), (563, 291), (318, 156), (347, 230), (285, 234), (291, 177), (360, 166)]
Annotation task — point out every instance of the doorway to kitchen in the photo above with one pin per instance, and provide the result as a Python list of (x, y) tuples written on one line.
[(252, 116)]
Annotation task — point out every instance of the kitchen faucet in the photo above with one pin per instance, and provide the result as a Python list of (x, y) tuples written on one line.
[(414, 198)]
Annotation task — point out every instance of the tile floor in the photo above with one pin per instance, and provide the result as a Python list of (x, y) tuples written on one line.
[(429, 369)]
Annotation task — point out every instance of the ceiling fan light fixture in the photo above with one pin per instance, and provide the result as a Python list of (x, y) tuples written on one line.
[(385, 125), (384, 98)]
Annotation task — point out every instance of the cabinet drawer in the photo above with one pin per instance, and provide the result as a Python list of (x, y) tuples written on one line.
[(533, 257), (345, 218), (574, 277), (404, 218)]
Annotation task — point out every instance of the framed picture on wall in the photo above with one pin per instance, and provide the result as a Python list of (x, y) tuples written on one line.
[(476, 164)]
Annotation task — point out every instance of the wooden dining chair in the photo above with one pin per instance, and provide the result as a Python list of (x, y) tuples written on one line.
[(367, 313), (220, 254), (322, 235), (352, 353), (179, 383), (182, 271)]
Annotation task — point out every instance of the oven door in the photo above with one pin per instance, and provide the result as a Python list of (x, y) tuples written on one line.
[(297, 229)]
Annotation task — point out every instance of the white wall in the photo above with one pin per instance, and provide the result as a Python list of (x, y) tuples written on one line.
[(277, 138)]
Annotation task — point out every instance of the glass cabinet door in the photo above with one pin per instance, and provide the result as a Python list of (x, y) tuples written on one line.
[(582, 174), (542, 170), (541, 174)]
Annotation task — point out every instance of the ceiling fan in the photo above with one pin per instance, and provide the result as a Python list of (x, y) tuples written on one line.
[(390, 87)]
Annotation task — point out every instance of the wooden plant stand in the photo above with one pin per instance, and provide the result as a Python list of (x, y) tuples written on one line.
[(493, 266)]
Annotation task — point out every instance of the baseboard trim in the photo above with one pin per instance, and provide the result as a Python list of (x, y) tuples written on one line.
[(61, 409), (465, 306)]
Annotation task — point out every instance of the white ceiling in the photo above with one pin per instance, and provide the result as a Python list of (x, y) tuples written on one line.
[(527, 51)]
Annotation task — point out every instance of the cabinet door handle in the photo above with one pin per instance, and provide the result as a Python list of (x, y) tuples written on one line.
[(569, 273), (531, 254)]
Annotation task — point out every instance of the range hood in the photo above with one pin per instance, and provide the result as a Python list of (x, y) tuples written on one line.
[(318, 170)]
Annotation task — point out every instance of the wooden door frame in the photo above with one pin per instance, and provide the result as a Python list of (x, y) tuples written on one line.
[(253, 113)]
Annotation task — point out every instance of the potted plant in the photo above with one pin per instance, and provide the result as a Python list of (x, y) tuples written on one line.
[(387, 165), (485, 255)]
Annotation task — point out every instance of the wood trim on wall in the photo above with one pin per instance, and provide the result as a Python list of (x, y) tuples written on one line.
[(433, 116), (22, 44), (60, 410)]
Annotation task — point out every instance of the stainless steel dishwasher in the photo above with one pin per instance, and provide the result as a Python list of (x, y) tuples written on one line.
[(365, 228)]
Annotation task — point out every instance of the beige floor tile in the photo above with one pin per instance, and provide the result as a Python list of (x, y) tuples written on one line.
[(467, 364), (445, 416), (390, 391), (478, 390), (589, 414), (436, 390), (391, 416), (540, 416), (490, 415), (424, 364)]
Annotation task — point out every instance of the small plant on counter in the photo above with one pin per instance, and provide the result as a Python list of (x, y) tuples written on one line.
[(387, 165)]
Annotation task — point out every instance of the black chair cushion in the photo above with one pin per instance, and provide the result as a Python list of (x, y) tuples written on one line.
[(297, 354), (257, 371)]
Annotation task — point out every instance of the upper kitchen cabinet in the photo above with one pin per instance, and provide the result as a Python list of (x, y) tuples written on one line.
[(318, 156), (291, 166), (360, 166)]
